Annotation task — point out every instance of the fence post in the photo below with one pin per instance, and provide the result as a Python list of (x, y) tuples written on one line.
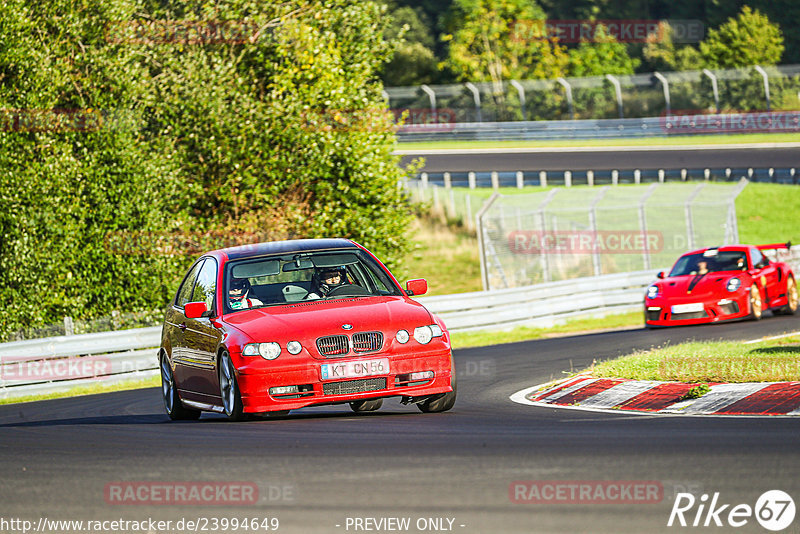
[(543, 223), (763, 74), (714, 87), (643, 224), (482, 239), (432, 97), (593, 227), (521, 92), (665, 85), (688, 211), (568, 88), (69, 326), (618, 90), (476, 96)]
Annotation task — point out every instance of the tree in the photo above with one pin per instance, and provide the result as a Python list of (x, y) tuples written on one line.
[(414, 61), (750, 39), (604, 55)]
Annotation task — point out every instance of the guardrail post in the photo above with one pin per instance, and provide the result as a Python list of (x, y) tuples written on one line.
[(763, 74), (661, 175), (495, 180), (472, 180), (590, 178), (567, 178), (520, 180), (615, 177), (447, 181), (476, 96), (618, 90), (706, 174), (568, 88), (637, 176), (665, 86), (543, 178), (714, 87)]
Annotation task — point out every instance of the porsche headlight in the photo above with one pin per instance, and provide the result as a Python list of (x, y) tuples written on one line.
[(734, 284), (268, 351), (652, 291)]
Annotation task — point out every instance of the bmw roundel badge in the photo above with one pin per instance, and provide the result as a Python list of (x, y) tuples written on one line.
[(347, 326)]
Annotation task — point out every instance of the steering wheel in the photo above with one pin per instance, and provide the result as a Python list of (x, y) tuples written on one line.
[(349, 290)]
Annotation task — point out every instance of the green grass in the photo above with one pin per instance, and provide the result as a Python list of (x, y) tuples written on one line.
[(481, 338), (650, 141), (721, 361), (88, 390), (769, 213)]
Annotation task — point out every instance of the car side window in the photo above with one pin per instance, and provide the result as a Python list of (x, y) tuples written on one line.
[(758, 259), (185, 291), (206, 284)]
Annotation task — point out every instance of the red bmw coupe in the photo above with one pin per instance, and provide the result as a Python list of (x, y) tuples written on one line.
[(278, 326), (721, 284)]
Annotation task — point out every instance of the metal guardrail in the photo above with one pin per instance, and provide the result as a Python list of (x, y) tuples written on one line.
[(62, 363), (123, 355)]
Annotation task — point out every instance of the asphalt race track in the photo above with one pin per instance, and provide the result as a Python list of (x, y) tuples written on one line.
[(604, 158), (316, 468)]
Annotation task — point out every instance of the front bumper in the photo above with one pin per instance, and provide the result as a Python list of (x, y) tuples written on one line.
[(255, 383), (732, 307)]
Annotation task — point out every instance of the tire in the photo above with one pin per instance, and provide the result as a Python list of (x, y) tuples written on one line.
[(791, 294), (229, 389), (755, 303), (169, 392), (367, 405), (440, 403)]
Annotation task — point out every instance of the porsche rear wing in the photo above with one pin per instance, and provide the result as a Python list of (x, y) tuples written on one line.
[(775, 246)]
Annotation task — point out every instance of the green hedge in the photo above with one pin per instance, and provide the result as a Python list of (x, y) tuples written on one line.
[(126, 149)]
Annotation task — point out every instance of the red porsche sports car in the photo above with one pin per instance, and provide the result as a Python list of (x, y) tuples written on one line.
[(273, 327), (721, 284)]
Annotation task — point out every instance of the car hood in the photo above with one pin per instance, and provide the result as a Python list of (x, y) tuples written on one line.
[(710, 284), (311, 319)]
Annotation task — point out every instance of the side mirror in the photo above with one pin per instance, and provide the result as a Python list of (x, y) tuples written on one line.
[(417, 287), (660, 274), (195, 310)]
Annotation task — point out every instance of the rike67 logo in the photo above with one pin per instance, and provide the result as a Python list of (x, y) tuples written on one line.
[(774, 510)]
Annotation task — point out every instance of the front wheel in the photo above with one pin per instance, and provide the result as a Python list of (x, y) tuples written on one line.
[(229, 389), (755, 303), (440, 403), (367, 405), (169, 391)]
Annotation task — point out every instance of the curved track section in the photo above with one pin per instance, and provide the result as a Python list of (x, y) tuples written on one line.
[(320, 470)]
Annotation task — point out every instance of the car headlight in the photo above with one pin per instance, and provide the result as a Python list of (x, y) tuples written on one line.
[(734, 284), (268, 351), (652, 291), (424, 334)]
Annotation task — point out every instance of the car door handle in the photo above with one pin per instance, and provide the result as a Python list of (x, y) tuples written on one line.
[(182, 326)]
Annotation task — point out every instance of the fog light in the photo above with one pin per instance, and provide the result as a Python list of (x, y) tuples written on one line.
[(294, 347), (284, 390), (402, 336), (421, 375)]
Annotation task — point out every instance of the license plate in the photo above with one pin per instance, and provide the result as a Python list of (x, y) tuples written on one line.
[(354, 369), (688, 308)]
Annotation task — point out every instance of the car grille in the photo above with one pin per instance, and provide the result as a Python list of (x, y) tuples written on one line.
[(730, 308), (333, 345), (353, 386), (367, 341), (690, 315), (653, 315)]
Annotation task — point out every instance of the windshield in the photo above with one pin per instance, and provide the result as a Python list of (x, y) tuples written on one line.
[(303, 277), (709, 262)]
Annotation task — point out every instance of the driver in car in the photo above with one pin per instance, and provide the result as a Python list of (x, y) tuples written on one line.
[(325, 281), (238, 295)]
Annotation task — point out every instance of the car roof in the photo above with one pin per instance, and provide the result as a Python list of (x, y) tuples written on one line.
[(283, 247), (724, 248)]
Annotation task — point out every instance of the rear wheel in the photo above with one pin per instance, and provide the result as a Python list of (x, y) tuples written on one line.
[(169, 391), (368, 405), (229, 389), (755, 303), (791, 296), (440, 403)]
